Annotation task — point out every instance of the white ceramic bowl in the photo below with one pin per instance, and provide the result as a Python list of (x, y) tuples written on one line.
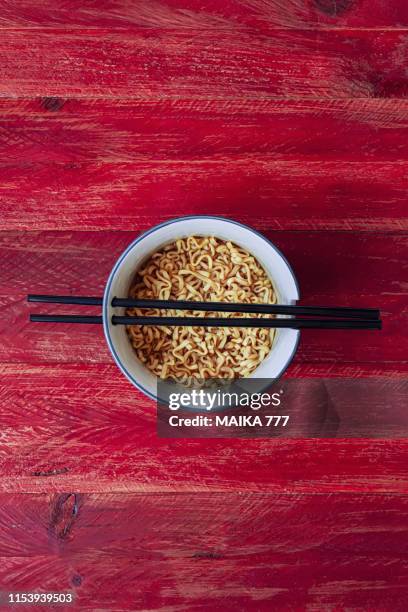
[(121, 277)]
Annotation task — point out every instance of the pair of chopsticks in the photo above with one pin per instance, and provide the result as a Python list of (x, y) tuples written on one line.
[(324, 317)]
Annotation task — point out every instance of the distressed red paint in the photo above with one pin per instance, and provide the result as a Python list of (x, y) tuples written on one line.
[(114, 116)]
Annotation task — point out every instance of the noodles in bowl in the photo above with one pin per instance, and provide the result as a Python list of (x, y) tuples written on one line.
[(242, 348), (201, 269)]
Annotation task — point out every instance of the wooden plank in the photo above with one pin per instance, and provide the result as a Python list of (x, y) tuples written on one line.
[(258, 190), (84, 428), (341, 268), (234, 14), (204, 551), (166, 63), (74, 130)]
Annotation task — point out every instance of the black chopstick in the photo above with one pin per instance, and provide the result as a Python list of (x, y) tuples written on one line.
[(213, 322), (283, 309), (43, 318), (65, 299)]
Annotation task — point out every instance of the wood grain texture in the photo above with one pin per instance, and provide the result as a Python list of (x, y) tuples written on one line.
[(115, 115), (195, 552), (165, 63), (80, 427), (52, 130), (367, 269), (276, 164), (228, 14), (258, 190)]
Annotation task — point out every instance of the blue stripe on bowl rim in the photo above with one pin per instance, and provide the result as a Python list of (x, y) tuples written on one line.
[(105, 305)]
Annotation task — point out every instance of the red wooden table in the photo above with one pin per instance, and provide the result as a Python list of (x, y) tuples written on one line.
[(114, 116)]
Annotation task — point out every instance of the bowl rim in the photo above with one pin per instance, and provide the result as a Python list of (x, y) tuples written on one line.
[(105, 303)]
